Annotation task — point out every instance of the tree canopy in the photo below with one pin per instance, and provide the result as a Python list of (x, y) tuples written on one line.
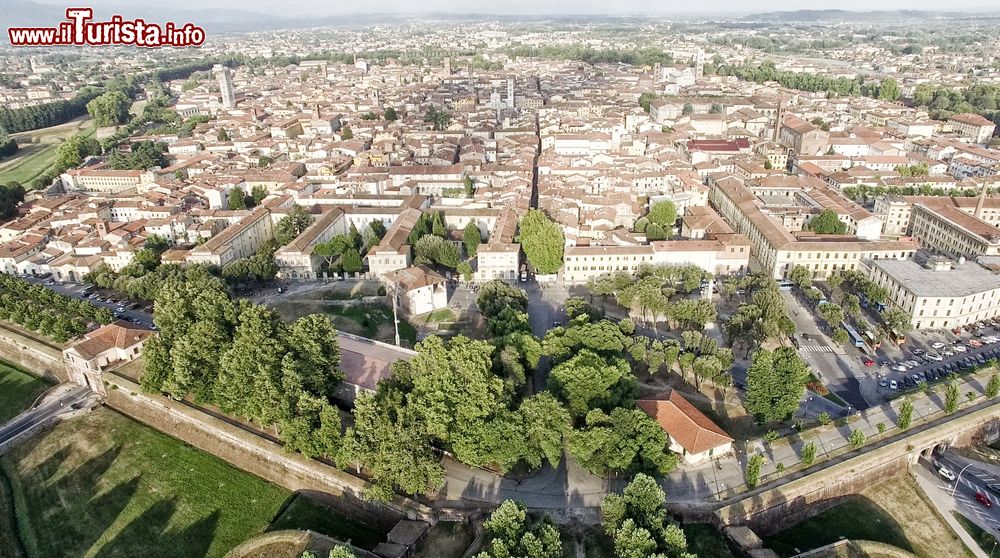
[(827, 222), (776, 382), (542, 241)]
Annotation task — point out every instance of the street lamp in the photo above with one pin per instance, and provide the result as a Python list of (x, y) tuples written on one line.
[(959, 479)]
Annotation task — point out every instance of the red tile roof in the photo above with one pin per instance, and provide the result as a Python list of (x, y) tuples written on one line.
[(685, 425)]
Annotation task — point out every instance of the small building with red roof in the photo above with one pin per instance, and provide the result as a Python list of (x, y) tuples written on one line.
[(692, 434)]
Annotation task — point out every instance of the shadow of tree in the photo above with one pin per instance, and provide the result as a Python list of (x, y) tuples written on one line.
[(147, 535)]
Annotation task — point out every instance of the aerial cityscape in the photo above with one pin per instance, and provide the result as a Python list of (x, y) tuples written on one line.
[(412, 280)]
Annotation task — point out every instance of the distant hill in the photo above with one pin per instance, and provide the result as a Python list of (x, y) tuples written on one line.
[(835, 16)]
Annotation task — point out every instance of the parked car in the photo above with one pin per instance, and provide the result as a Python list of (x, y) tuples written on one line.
[(917, 351), (980, 359), (975, 343), (983, 499), (960, 348), (868, 361), (935, 357), (946, 473), (912, 363), (937, 345), (899, 368), (893, 385), (957, 331)]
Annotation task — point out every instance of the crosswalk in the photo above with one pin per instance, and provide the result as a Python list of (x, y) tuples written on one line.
[(816, 349)]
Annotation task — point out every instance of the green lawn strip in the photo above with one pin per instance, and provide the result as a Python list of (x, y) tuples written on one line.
[(856, 518), (304, 513), (105, 485), (984, 539), (18, 390)]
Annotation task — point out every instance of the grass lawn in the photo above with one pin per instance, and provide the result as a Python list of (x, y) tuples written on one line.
[(893, 512), (106, 486), (18, 390), (31, 160), (304, 513), (856, 518), (705, 540), (371, 320), (977, 533)]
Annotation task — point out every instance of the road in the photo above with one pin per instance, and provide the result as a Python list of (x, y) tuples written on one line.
[(53, 404), (960, 495), (840, 370)]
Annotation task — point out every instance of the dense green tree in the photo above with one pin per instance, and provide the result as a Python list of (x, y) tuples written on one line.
[(110, 109), (351, 261), (73, 151), (993, 387), (438, 119), (11, 196), (471, 237), (663, 213), (951, 395), (626, 440), (258, 193), (801, 276), (512, 534), (589, 381), (389, 114), (346, 133), (827, 222), (542, 241), (905, 415), (808, 453), (752, 473), (638, 520), (237, 199), (856, 439), (545, 423), (897, 320), (292, 225), (387, 439), (775, 383)]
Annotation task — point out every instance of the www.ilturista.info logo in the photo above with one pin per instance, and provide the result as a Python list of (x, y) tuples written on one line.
[(79, 30)]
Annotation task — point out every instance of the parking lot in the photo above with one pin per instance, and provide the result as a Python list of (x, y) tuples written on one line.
[(122, 309), (932, 356)]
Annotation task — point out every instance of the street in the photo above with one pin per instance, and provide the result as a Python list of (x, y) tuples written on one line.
[(960, 495), (60, 399)]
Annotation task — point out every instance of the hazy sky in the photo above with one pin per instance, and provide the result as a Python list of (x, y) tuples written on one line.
[(332, 7)]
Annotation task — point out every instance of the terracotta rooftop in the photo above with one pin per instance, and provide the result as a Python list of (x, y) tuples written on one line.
[(685, 425), (116, 335)]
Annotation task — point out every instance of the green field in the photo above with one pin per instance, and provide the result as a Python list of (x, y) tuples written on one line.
[(18, 390), (32, 159), (304, 513), (106, 486), (371, 320), (986, 543), (857, 518)]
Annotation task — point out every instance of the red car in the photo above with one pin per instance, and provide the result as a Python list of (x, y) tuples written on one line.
[(868, 361), (982, 499)]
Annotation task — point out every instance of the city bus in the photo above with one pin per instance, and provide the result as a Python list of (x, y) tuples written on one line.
[(899, 338), (856, 338)]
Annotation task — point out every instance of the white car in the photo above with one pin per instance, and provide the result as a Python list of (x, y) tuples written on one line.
[(935, 357), (938, 345), (946, 473), (960, 348), (899, 368)]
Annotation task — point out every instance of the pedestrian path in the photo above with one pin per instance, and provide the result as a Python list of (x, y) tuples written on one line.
[(816, 349)]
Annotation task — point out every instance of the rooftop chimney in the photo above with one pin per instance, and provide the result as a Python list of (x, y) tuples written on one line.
[(982, 201)]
